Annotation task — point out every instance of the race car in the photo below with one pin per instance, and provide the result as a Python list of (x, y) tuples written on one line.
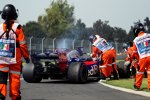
[(57, 66)]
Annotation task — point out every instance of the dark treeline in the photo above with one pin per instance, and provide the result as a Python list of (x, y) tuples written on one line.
[(59, 22)]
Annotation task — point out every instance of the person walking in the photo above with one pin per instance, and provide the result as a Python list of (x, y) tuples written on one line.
[(12, 48), (141, 46)]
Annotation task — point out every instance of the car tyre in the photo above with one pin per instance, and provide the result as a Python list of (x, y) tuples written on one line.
[(77, 72), (30, 73)]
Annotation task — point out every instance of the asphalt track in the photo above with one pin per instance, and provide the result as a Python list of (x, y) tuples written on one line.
[(63, 90)]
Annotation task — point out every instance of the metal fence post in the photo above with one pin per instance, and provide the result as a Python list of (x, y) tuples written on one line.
[(54, 44), (90, 47), (31, 44), (116, 47), (82, 43), (42, 43), (116, 44), (73, 43)]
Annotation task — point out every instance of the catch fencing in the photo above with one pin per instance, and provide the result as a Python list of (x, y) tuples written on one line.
[(41, 45)]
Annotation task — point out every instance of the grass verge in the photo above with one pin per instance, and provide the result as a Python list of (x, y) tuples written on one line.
[(128, 83)]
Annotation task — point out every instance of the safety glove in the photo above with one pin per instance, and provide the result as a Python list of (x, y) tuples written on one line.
[(27, 60)]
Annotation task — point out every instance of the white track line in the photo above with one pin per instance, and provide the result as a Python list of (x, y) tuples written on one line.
[(142, 93)]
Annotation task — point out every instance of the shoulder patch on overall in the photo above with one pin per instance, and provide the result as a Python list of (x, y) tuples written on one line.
[(15, 26), (1, 29)]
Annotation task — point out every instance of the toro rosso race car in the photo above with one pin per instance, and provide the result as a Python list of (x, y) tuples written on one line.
[(57, 66)]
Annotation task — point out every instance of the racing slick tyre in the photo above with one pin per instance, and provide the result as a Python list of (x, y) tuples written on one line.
[(121, 72), (31, 74), (77, 72), (127, 72)]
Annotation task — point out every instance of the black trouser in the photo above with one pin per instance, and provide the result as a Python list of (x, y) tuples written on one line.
[(115, 74), (3, 80)]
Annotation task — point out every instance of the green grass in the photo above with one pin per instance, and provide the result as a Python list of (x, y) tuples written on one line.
[(128, 83)]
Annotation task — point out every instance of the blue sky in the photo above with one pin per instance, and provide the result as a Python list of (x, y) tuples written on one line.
[(119, 13)]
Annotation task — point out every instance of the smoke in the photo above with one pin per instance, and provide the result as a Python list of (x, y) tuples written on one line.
[(72, 38), (64, 43), (68, 42)]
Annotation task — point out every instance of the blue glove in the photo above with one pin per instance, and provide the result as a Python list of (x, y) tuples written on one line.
[(27, 60)]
